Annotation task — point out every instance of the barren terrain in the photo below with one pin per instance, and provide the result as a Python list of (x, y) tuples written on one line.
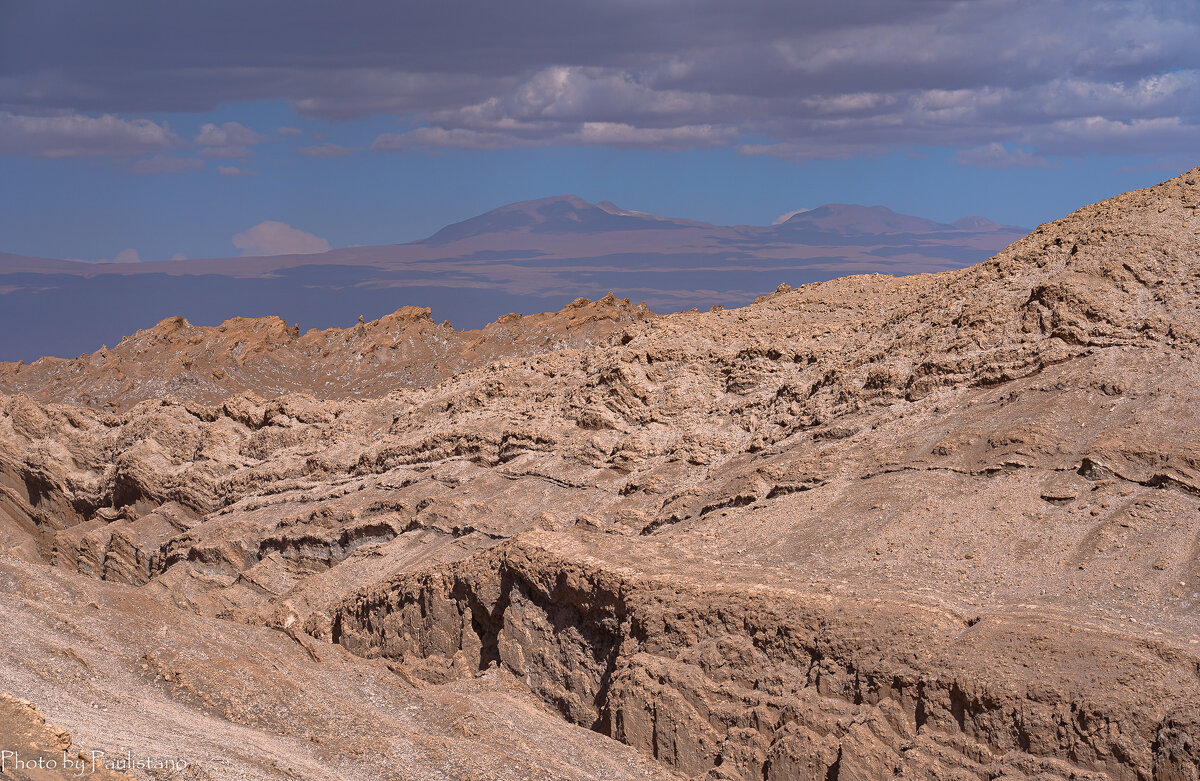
[(937, 526)]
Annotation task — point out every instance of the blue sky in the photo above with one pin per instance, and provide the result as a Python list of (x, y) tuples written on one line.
[(116, 136)]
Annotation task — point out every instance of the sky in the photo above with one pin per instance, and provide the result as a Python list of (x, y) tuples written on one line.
[(149, 130)]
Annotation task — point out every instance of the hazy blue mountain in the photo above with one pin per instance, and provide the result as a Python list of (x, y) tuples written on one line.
[(528, 256)]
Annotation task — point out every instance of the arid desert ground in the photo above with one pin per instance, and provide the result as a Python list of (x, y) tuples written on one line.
[(940, 526)]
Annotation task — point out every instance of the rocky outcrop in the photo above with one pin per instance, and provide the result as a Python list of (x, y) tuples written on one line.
[(168, 694), (33, 749), (766, 683)]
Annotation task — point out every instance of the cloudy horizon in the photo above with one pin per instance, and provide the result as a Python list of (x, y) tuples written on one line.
[(378, 123)]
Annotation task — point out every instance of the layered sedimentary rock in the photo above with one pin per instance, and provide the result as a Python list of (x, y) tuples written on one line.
[(941, 526)]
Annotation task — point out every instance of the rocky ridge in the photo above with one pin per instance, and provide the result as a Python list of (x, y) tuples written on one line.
[(180, 361), (939, 526)]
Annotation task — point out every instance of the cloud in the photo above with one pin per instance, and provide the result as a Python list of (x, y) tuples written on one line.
[(233, 170), (363, 91), (326, 150), (1116, 137), (617, 134), (230, 141), (77, 135), (789, 215), (164, 164), (998, 156), (228, 134), (625, 135), (555, 106), (277, 238), (179, 256), (460, 138), (289, 131), (769, 77)]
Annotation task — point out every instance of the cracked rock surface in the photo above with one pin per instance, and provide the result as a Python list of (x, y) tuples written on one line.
[(941, 526)]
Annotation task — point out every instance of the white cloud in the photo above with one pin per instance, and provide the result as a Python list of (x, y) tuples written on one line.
[(1108, 136), (569, 106), (179, 256), (278, 238), (228, 134), (289, 131), (77, 135), (233, 170), (625, 135), (785, 217), (594, 94), (228, 141)]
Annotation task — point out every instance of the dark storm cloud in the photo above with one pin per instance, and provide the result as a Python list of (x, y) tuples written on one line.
[(1005, 81)]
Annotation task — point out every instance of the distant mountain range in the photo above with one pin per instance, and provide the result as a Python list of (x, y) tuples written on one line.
[(528, 256)]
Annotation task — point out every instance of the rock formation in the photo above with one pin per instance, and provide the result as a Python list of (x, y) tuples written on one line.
[(177, 360), (940, 526)]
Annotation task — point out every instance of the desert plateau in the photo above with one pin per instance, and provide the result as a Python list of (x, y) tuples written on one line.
[(936, 526)]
